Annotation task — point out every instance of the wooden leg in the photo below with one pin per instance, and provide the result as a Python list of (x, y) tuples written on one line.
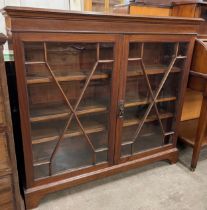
[(196, 153), (202, 123), (174, 158), (32, 200)]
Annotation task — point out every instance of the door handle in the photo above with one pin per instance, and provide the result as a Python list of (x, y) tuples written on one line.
[(121, 108)]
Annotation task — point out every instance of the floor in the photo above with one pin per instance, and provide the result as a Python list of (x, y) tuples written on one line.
[(158, 186)]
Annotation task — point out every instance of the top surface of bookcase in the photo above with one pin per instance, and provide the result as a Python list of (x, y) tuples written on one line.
[(53, 13), (21, 19)]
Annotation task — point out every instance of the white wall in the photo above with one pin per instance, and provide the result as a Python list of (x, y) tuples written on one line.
[(54, 4), (2, 26), (50, 4), (76, 5)]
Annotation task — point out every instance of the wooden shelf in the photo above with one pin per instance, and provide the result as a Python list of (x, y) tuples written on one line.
[(145, 102), (136, 121), (187, 132), (78, 76), (102, 149), (151, 70), (40, 163), (40, 134), (126, 143), (57, 111)]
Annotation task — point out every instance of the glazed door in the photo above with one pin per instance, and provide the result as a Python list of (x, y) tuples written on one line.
[(148, 103), (70, 86)]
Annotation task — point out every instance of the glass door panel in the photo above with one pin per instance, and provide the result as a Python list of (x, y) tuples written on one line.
[(69, 90), (154, 75)]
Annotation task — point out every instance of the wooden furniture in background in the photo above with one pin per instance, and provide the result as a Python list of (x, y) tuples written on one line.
[(96, 98), (101, 5), (193, 127), (193, 123), (192, 9), (9, 186), (185, 9), (143, 9), (179, 9), (192, 105)]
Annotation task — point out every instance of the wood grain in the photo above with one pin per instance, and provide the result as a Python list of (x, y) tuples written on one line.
[(192, 105), (9, 183)]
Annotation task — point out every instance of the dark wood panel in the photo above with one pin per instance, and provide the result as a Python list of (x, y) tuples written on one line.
[(6, 191), (9, 185)]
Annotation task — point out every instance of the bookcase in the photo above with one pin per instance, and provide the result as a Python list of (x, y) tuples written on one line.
[(98, 94)]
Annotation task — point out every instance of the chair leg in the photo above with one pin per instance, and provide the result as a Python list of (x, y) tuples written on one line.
[(202, 123), (195, 157)]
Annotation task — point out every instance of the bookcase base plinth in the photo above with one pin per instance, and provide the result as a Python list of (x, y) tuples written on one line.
[(35, 194)]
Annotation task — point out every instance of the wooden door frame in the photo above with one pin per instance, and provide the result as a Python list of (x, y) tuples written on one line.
[(123, 77), (18, 40)]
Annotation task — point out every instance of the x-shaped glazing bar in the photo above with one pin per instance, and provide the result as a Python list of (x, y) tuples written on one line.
[(150, 90), (61, 137), (154, 98)]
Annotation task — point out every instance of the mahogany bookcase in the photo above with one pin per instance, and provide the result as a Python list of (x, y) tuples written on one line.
[(98, 94)]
